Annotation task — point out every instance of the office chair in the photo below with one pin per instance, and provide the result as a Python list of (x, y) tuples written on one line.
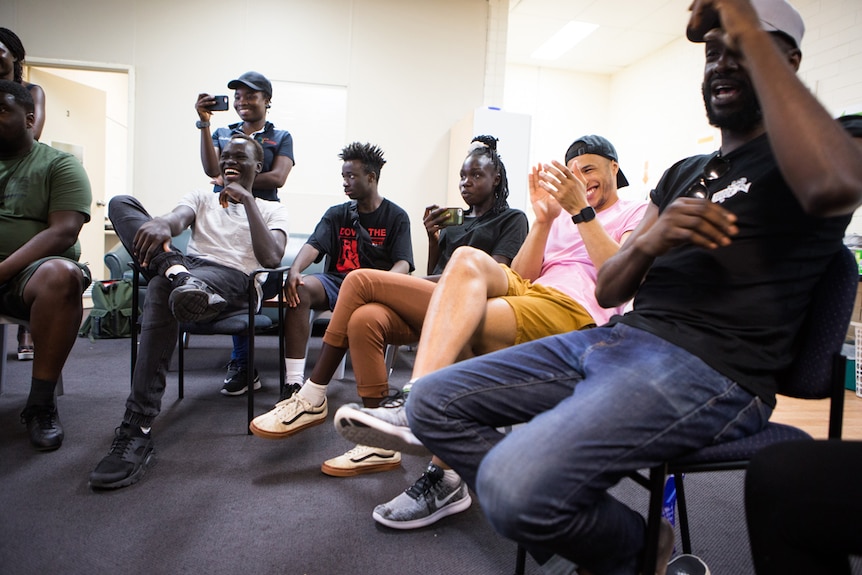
[(817, 372)]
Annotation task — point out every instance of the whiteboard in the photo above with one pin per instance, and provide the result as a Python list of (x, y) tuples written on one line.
[(316, 117)]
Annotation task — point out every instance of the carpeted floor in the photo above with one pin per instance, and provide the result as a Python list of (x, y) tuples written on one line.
[(220, 501)]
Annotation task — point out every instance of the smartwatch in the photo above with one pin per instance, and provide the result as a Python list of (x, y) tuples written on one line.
[(201, 125), (588, 214)]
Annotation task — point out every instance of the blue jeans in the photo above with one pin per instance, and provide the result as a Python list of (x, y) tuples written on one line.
[(600, 403), (158, 325)]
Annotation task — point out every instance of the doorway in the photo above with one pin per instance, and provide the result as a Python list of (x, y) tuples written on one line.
[(87, 112)]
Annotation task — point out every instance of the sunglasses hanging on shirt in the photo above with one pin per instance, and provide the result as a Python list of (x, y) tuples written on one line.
[(713, 170)]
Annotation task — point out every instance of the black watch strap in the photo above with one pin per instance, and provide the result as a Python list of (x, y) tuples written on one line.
[(586, 215)]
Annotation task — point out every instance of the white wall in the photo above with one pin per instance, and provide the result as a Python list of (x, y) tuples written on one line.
[(412, 69), (653, 111)]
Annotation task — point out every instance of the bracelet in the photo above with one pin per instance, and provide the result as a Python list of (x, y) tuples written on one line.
[(201, 125)]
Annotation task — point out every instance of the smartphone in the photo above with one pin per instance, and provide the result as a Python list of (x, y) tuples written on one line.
[(220, 105), (454, 217)]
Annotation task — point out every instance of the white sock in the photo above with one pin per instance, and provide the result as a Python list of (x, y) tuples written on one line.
[(174, 270), (312, 392), (450, 477), (146, 430), (295, 369)]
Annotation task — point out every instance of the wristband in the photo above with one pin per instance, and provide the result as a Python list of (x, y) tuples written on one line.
[(588, 214), (201, 125)]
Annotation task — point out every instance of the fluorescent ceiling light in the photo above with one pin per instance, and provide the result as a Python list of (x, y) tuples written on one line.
[(564, 40)]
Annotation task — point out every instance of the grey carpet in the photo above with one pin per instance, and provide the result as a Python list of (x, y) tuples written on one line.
[(222, 502)]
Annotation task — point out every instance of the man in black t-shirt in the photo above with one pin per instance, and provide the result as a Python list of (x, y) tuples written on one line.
[(722, 269), (369, 231)]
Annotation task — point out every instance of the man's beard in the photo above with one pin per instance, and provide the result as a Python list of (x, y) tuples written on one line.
[(743, 118)]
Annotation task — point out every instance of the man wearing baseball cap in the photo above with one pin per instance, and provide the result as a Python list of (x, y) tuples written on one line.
[(722, 269), (252, 97), (480, 305)]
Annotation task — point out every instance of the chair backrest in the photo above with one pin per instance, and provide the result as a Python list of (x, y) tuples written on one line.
[(117, 259), (823, 331)]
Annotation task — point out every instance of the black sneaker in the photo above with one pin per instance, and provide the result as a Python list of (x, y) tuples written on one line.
[(192, 300), (236, 380), (131, 454), (43, 425)]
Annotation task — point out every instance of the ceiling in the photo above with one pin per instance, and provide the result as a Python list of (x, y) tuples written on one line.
[(628, 31)]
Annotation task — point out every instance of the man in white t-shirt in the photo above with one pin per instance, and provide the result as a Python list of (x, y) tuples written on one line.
[(233, 233), (480, 306)]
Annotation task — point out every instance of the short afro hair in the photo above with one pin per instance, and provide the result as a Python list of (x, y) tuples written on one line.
[(22, 95), (369, 155)]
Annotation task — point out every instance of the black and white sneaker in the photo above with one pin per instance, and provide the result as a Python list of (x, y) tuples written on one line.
[(236, 380), (131, 454), (192, 300), (427, 501)]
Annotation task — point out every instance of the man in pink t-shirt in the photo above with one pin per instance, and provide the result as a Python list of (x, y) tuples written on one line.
[(480, 306)]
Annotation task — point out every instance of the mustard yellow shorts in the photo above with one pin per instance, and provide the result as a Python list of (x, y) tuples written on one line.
[(541, 311)]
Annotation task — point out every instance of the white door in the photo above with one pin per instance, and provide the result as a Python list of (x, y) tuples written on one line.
[(75, 122)]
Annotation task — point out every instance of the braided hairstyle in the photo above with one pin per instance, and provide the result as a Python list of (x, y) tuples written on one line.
[(369, 155), (13, 43), (487, 146)]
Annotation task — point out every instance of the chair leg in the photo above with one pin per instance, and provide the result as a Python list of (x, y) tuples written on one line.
[(657, 477), (180, 363), (391, 356), (520, 560), (685, 533), (339, 373), (252, 308), (2, 355)]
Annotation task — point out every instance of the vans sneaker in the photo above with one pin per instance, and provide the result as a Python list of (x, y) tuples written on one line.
[(288, 417), (361, 459), (425, 502), (131, 454)]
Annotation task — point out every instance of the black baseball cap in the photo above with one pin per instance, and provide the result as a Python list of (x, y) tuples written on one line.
[(254, 80), (601, 147)]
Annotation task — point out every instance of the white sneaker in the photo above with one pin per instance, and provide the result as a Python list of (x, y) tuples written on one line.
[(687, 565), (362, 459), (427, 501), (384, 426), (288, 417)]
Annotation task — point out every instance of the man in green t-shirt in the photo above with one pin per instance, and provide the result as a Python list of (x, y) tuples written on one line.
[(44, 201)]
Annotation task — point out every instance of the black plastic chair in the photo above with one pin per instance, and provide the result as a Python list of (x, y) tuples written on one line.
[(817, 372), (249, 324)]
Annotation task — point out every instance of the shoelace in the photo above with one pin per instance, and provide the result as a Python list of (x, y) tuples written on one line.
[(422, 486), (121, 444), (395, 398), (43, 417)]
